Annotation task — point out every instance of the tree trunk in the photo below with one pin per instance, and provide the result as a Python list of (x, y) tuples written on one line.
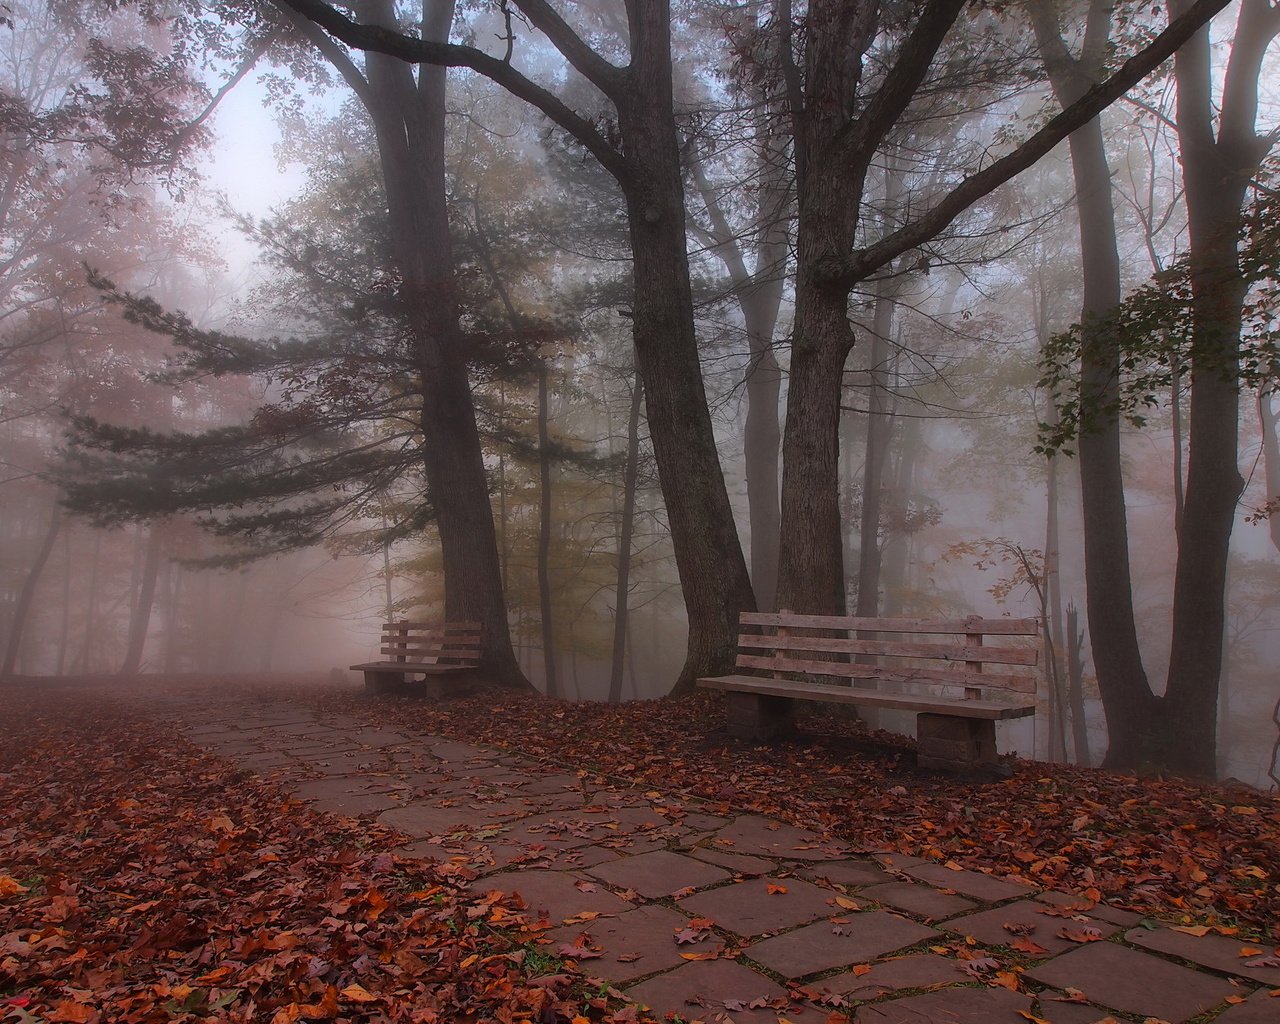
[(622, 590), (409, 119), (140, 619), (893, 573), (1122, 680), (544, 533), (1270, 424), (1075, 687), (879, 428), (64, 632), (709, 560), (26, 597), (1216, 175)]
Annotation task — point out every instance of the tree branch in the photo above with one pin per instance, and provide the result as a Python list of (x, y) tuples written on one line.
[(608, 78), (420, 51), (848, 270)]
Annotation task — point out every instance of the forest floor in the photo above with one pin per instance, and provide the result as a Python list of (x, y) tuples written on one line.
[(145, 878)]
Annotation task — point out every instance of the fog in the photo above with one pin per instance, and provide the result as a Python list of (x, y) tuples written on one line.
[(226, 434)]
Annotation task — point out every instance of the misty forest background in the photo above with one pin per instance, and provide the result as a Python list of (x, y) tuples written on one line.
[(638, 323)]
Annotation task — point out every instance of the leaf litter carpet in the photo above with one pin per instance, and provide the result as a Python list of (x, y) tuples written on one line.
[(221, 851)]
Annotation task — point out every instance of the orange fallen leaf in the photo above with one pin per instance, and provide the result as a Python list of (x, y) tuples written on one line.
[(713, 954), (1032, 1017), (1024, 945), (848, 904), (861, 969), (774, 889), (1198, 930), (358, 994)]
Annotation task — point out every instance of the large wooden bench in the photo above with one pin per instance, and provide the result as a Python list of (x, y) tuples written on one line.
[(434, 650), (804, 657)]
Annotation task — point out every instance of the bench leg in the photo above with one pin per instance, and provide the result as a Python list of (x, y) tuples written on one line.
[(950, 743), (760, 716), (383, 682)]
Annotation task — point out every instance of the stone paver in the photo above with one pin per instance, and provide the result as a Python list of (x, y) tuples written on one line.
[(822, 946), (660, 873), (1216, 951), (920, 900), (751, 834), (701, 989), (970, 883), (631, 945), (556, 895), (958, 1006), (1259, 1008), (847, 872), (563, 840), (922, 970), (750, 908), (1125, 979), (989, 927)]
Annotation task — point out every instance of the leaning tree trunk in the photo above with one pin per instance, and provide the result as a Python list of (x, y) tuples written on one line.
[(409, 119), (709, 560), (26, 597)]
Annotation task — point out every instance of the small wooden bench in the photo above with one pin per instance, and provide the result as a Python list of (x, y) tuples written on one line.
[(433, 650), (954, 732)]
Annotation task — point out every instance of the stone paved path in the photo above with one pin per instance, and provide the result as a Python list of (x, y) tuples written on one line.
[(622, 873)]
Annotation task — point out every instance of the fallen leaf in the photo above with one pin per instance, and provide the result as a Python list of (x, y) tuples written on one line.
[(1082, 934), (1198, 930), (1025, 945), (358, 994), (1019, 927), (1033, 1018), (1264, 961), (773, 889), (980, 966), (713, 954)]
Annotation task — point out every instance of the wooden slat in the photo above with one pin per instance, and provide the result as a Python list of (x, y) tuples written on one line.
[(431, 634), (425, 652), (410, 667), (430, 647), (470, 627), (870, 698), (893, 648), (973, 624), (957, 677)]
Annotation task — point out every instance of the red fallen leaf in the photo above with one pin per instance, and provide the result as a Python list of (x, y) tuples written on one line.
[(773, 889), (579, 952), (980, 966), (1025, 945), (1068, 910), (1264, 961), (701, 922), (1083, 934), (1074, 995), (70, 1012), (1019, 927), (582, 885), (680, 894)]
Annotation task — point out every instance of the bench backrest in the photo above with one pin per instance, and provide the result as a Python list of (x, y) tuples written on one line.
[(950, 652), (436, 643)]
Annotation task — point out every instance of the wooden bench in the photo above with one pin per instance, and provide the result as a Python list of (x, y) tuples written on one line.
[(955, 732), (434, 650)]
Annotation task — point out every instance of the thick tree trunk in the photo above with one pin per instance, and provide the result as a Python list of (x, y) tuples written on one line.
[(26, 597), (1216, 174), (622, 591), (140, 619), (409, 119), (709, 559), (879, 428), (1075, 687), (762, 437)]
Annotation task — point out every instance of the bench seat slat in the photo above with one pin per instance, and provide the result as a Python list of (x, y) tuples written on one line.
[(433, 668), (430, 648), (893, 648), (973, 624), (870, 698), (896, 674), (436, 627)]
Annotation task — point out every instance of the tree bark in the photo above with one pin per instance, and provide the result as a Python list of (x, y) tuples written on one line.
[(709, 560), (26, 597), (1216, 174), (544, 532), (409, 120), (1270, 424), (1122, 680), (140, 619), (622, 590)]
